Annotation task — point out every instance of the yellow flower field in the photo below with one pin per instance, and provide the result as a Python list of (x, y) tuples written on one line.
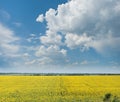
[(60, 88)]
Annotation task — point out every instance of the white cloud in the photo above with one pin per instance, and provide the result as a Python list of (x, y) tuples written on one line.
[(7, 35), (52, 51), (40, 18), (33, 38), (51, 38), (83, 24), (81, 41), (26, 55), (9, 47), (30, 62), (64, 52), (107, 44), (71, 16), (7, 40), (33, 35), (45, 61), (29, 39), (77, 17), (51, 54), (39, 61)]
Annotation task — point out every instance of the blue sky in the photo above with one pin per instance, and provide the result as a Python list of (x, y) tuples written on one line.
[(77, 36)]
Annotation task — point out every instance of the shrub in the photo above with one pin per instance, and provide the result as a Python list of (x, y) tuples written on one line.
[(107, 97)]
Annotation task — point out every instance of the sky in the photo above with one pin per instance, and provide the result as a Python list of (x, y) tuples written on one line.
[(60, 36)]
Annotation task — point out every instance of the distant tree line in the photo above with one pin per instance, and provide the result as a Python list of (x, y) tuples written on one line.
[(58, 74)]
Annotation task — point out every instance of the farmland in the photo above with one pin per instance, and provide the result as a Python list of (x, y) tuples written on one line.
[(60, 88)]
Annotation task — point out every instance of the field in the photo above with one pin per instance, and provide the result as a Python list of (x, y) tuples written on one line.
[(60, 88)]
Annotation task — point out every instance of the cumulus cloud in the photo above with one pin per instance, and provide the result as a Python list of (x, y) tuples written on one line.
[(51, 38), (52, 51), (76, 18), (33, 38), (80, 24), (40, 18), (81, 41), (7, 40), (51, 54)]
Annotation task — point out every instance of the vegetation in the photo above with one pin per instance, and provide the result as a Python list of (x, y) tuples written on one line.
[(60, 88)]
